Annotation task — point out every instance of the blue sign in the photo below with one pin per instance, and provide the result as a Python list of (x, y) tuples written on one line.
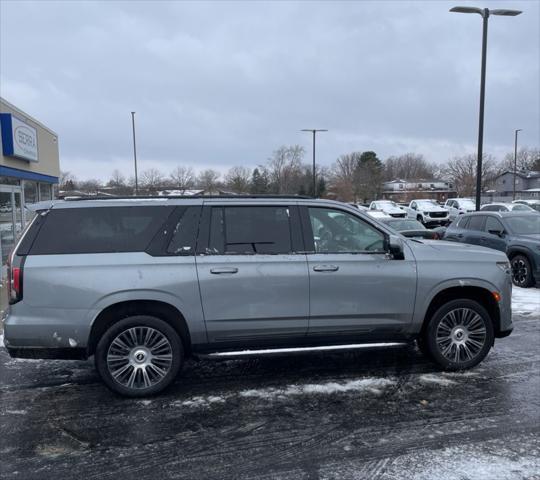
[(18, 138)]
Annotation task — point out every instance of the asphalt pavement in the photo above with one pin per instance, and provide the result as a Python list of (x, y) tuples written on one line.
[(372, 414)]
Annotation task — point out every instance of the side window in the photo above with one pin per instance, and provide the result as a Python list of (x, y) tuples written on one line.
[(413, 205), (463, 222), (476, 222), (493, 224), (99, 229), (263, 230), (335, 231), (185, 233)]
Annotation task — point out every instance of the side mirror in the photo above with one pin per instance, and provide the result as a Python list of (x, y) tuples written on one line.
[(395, 247), (499, 233)]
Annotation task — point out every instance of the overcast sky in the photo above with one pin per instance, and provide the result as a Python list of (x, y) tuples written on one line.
[(217, 84)]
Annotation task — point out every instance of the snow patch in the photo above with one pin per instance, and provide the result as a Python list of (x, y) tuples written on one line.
[(17, 412), (72, 343), (526, 301), (199, 401), (431, 378), (2, 340), (372, 385)]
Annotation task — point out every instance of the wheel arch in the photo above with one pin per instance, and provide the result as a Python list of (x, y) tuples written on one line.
[(513, 251), (155, 308), (479, 294)]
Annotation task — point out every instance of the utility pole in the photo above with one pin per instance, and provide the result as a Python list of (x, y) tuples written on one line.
[(515, 162), (135, 153), (314, 174)]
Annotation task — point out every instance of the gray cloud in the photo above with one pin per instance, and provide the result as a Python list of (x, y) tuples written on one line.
[(217, 84)]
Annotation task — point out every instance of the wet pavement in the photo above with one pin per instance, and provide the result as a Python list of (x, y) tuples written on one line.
[(381, 414)]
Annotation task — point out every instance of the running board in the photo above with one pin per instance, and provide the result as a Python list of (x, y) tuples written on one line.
[(268, 351)]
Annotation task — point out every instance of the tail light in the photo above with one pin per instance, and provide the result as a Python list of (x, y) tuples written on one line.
[(15, 278)]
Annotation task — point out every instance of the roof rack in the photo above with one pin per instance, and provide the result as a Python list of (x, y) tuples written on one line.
[(166, 197)]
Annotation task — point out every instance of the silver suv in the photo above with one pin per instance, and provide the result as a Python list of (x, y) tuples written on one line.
[(140, 284)]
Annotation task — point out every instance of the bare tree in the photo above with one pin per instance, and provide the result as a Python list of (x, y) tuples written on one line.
[(285, 168), (117, 179), (527, 159), (151, 179), (208, 179), (67, 181), (408, 166), (461, 171), (182, 178), (238, 179), (91, 186)]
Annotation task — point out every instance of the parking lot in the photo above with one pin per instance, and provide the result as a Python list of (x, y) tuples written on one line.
[(381, 414)]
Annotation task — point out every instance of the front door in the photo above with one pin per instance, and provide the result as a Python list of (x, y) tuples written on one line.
[(254, 284), (355, 287)]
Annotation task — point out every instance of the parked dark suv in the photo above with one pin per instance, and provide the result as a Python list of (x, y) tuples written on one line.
[(515, 233), (141, 283)]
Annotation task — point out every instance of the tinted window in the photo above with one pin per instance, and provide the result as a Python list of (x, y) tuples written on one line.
[(463, 222), (524, 225), (493, 224), (335, 231), (99, 229), (185, 233), (250, 230), (476, 222)]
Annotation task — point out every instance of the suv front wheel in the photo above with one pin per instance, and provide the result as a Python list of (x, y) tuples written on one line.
[(139, 356), (459, 335)]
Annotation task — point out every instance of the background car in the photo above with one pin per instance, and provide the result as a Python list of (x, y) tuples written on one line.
[(535, 204), (459, 206), (515, 233), (411, 228), (428, 212), (389, 207), (506, 207)]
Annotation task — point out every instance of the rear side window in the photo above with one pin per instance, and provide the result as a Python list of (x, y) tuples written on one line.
[(463, 222), (476, 222), (250, 230), (99, 229)]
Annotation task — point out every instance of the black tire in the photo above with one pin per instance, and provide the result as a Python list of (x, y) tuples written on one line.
[(522, 272), (420, 219), (438, 324), (166, 355)]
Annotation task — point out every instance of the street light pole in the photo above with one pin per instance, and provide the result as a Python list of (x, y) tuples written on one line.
[(314, 174), (135, 153), (484, 13), (515, 162)]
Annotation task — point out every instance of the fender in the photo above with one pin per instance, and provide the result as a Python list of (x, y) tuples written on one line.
[(192, 312)]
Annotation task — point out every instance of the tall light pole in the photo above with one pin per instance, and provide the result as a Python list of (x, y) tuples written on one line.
[(314, 132), (135, 153), (515, 162), (484, 13)]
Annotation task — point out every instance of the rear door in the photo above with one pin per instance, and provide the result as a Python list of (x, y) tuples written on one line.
[(252, 272), (355, 287)]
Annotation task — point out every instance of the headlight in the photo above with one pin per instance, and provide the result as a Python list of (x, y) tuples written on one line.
[(505, 267)]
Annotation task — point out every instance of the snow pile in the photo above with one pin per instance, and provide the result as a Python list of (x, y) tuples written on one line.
[(2, 339), (199, 401), (437, 379), (373, 385), (526, 301)]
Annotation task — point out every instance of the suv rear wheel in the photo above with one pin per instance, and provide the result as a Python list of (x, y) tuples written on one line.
[(139, 356), (521, 271), (459, 335)]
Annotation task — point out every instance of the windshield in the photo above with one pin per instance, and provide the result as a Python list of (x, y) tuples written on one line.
[(467, 204), (386, 202), (427, 203), (402, 225), (526, 225)]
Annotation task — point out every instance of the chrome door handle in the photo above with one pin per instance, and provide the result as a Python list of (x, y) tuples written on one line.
[(219, 271), (325, 268)]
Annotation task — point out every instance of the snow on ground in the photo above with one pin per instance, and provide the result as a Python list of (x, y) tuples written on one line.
[(526, 301)]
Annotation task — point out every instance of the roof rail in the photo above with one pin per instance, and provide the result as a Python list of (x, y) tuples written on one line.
[(166, 197)]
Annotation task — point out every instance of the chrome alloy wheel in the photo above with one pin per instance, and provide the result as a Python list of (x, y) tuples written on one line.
[(139, 357), (461, 335), (520, 271)]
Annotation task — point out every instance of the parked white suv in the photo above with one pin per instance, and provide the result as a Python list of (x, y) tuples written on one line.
[(428, 212), (388, 207), (459, 206)]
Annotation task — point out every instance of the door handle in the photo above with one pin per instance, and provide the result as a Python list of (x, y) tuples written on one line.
[(325, 268), (219, 271)]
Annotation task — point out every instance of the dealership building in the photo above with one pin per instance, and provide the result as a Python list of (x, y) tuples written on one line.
[(29, 169)]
